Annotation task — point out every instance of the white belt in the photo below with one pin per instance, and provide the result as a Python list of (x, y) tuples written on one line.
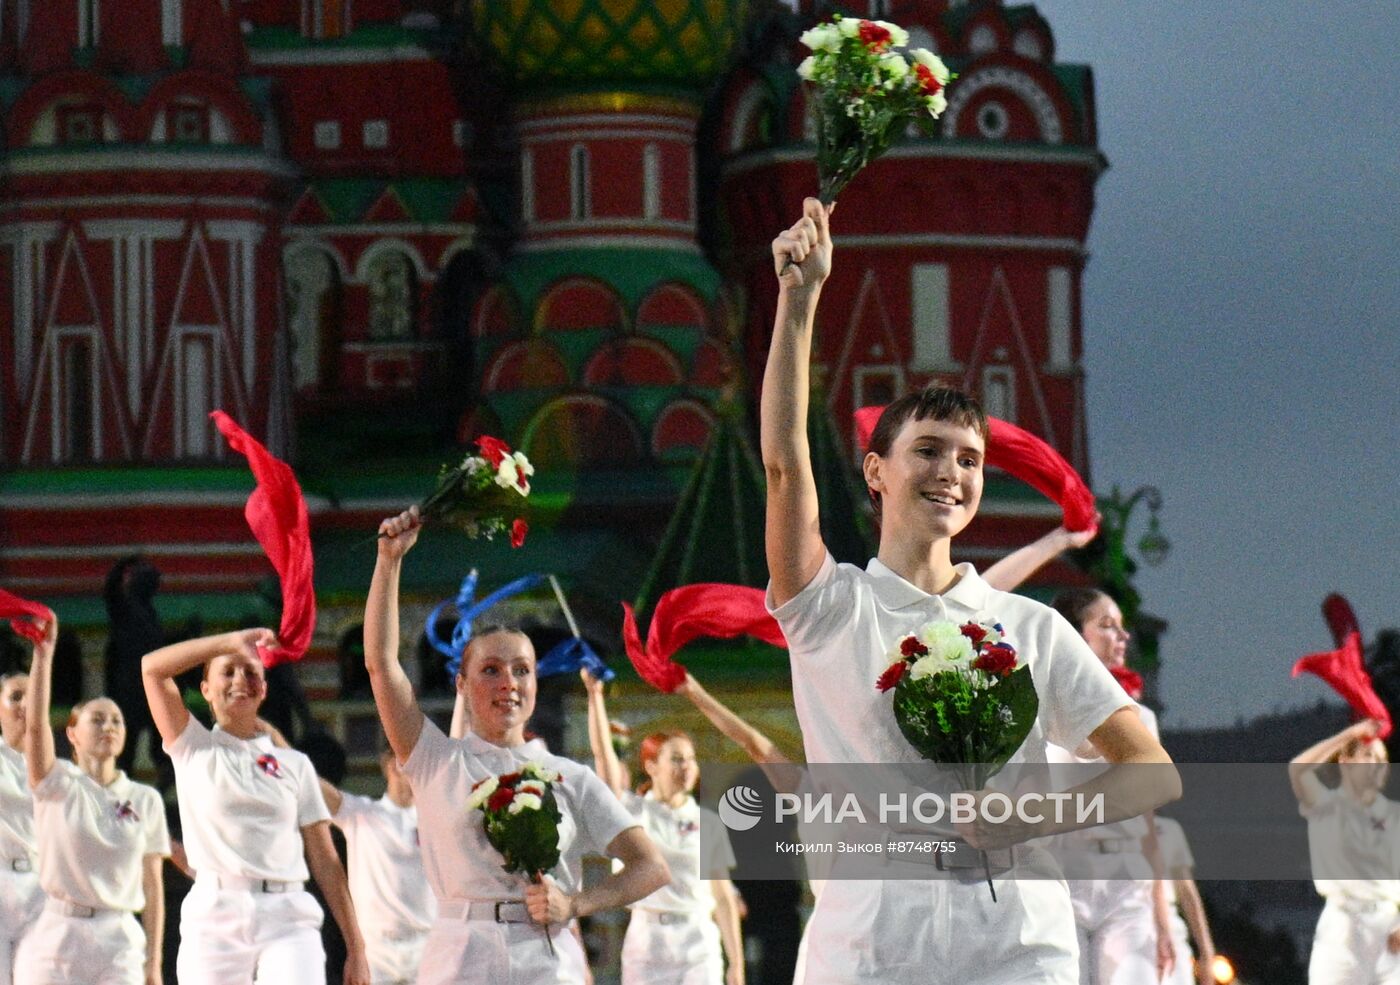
[(240, 884), (501, 911), (1351, 904), (664, 917), (66, 909), (19, 865)]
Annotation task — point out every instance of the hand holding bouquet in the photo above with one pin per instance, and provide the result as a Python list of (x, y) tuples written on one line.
[(482, 496), (522, 820), (963, 698), (867, 92)]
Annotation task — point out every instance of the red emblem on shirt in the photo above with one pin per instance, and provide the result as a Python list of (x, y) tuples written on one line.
[(125, 812), (268, 764), (687, 827)]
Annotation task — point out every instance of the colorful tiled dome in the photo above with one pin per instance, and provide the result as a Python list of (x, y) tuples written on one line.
[(581, 43)]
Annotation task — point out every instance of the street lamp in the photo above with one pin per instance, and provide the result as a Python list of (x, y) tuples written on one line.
[(1116, 510)]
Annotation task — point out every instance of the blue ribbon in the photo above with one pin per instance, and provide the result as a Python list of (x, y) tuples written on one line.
[(467, 611), (569, 657)]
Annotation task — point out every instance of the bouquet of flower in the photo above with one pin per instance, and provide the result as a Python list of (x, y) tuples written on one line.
[(867, 92), (522, 819), (962, 698), (482, 496)]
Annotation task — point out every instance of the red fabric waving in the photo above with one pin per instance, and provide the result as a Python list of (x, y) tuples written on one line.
[(1341, 618), (29, 619), (684, 614), (1345, 670), (276, 513), (1026, 457)]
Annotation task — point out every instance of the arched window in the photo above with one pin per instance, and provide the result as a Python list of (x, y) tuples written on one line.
[(392, 292), (79, 428), (313, 309)]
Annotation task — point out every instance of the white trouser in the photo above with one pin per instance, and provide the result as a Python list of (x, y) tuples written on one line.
[(107, 948), (1349, 946), (945, 929), (232, 937), (394, 956), (1117, 932), (672, 949), (463, 951), (21, 899)]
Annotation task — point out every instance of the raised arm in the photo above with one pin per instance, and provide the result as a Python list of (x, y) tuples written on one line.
[(393, 694), (1302, 768), (329, 874), (605, 762), (159, 668), (792, 534), (1017, 566), (755, 744), (1193, 911), (38, 734)]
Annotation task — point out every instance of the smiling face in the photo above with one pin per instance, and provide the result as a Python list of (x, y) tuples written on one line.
[(930, 481), (99, 731), (234, 686), (1101, 625), (498, 681), (13, 691), (674, 770)]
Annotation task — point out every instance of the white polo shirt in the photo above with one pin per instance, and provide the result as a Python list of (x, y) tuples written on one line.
[(387, 883), (16, 809), (460, 863), (1350, 845), (841, 627), (92, 838), (243, 803), (677, 832)]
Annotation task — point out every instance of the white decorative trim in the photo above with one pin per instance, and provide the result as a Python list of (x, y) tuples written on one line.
[(580, 182), (595, 242), (382, 229), (1042, 107), (339, 55), (78, 552), (750, 102), (102, 160), (552, 127), (651, 181), (139, 201), (1059, 318), (930, 292)]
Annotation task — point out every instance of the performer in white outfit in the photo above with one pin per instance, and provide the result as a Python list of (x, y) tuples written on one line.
[(1188, 911), (102, 841), (1352, 835), (393, 903), (254, 823), (925, 468), (21, 899), (491, 925), (1124, 915), (682, 933)]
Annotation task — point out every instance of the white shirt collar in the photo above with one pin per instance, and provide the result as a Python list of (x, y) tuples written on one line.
[(969, 591)]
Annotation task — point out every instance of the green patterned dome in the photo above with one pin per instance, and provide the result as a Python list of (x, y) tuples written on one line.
[(587, 43)]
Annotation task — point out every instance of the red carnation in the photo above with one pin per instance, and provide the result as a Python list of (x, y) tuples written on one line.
[(996, 659), (973, 632), (494, 450), (875, 37), (927, 79), (912, 646), (501, 799), (510, 779), (518, 530), (893, 674)]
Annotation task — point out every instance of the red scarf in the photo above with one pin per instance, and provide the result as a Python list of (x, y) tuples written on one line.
[(687, 613), (29, 619)]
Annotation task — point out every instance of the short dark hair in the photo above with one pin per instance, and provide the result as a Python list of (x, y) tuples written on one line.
[(939, 403), (1072, 603)]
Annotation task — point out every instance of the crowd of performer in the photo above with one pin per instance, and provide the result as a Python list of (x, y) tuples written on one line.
[(426, 899)]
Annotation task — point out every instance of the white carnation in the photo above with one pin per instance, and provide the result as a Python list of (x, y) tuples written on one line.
[(481, 793), (848, 26), (899, 36), (523, 463), (936, 104), (532, 787), (823, 37), (946, 643), (931, 62), (540, 772), (524, 802), (807, 68)]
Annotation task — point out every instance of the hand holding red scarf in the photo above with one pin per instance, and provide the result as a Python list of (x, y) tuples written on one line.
[(687, 613), (1345, 667), (276, 513), (29, 619)]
